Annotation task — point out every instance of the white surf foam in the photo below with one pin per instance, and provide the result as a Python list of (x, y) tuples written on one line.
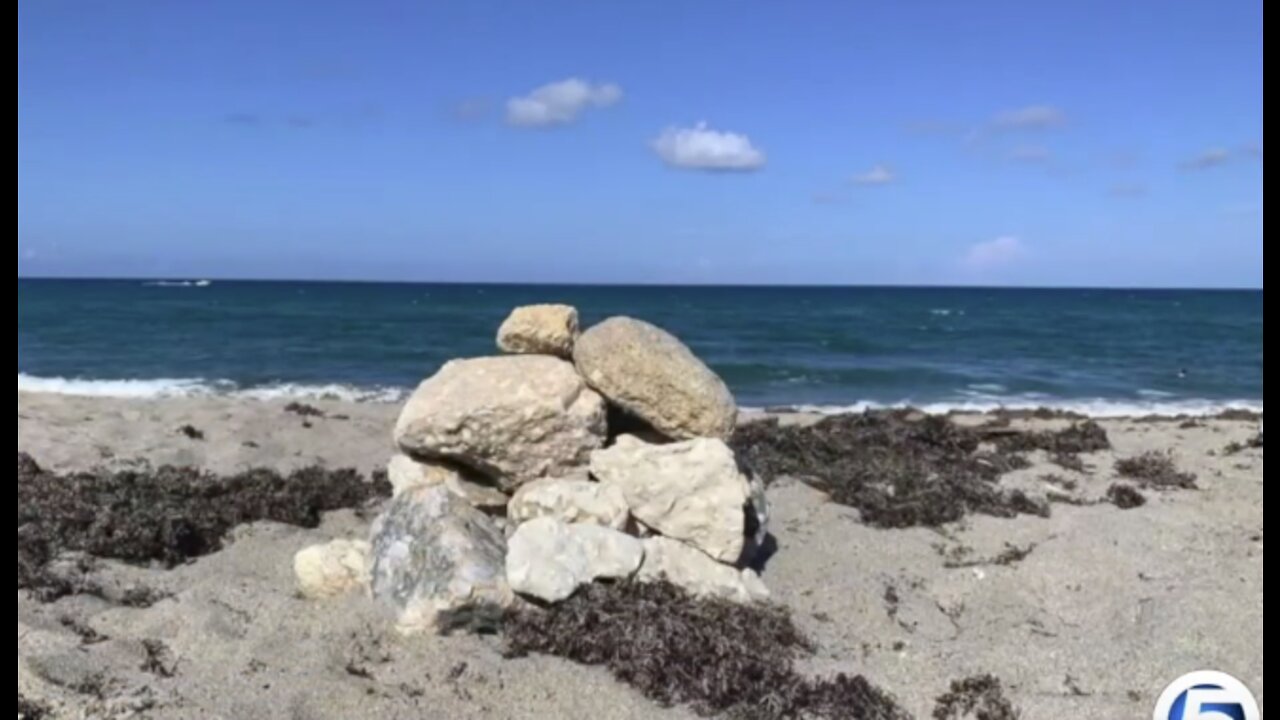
[(975, 403), (185, 388), (1098, 407)]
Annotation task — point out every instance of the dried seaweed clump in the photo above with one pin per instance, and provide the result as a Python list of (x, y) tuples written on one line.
[(166, 516), (28, 710), (901, 469), (1239, 415), (713, 656), (1070, 461), (1125, 497), (977, 698), (1081, 437), (1235, 448), (304, 410), (1155, 471), (191, 432)]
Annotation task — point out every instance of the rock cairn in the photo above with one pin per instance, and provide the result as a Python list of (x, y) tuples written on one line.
[(573, 458)]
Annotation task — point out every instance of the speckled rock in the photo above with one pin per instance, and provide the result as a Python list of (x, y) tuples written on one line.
[(650, 374), (439, 564), (514, 419), (540, 330), (332, 570), (571, 500)]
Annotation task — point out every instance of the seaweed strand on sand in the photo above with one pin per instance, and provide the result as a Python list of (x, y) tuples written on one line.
[(979, 697), (714, 656), (902, 469), (166, 516), (28, 710), (1156, 471)]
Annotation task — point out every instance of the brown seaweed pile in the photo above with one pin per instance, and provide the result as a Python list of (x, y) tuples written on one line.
[(977, 698), (1125, 497), (303, 410), (1156, 471), (165, 516), (28, 710), (713, 656), (1081, 437), (902, 469), (1235, 448), (191, 432)]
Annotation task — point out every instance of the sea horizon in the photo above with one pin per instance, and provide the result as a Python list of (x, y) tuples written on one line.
[(1099, 351), (656, 284)]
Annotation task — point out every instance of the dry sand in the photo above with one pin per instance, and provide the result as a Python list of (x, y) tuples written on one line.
[(1108, 607)]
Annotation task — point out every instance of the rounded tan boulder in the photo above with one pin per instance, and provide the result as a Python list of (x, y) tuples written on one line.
[(540, 330), (514, 419), (649, 373)]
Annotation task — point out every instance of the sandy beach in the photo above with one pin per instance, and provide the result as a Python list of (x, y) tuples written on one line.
[(1096, 611)]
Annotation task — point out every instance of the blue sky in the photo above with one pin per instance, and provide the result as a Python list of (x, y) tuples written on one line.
[(721, 141)]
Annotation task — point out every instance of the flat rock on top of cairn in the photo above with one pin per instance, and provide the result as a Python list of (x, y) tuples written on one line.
[(650, 374), (540, 330), (514, 419)]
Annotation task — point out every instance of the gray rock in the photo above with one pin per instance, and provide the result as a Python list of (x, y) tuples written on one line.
[(650, 374), (514, 419), (549, 560), (439, 564), (540, 330)]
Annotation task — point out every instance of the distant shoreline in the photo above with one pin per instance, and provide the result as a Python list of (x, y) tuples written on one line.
[(630, 285), (152, 391)]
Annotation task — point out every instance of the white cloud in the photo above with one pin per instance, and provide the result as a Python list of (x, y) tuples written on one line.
[(1253, 150), (560, 103), (1031, 154), (994, 254), (701, 148), (1211, 158), (878, 175), (1032, 117), (29, 254)]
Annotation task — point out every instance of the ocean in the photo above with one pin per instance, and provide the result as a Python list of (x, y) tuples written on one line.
[(1106, 352)]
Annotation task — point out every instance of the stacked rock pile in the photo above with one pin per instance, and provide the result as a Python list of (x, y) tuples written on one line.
[(574, 458)]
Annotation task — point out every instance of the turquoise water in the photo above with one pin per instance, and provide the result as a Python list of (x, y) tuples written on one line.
[(1100, 350)]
